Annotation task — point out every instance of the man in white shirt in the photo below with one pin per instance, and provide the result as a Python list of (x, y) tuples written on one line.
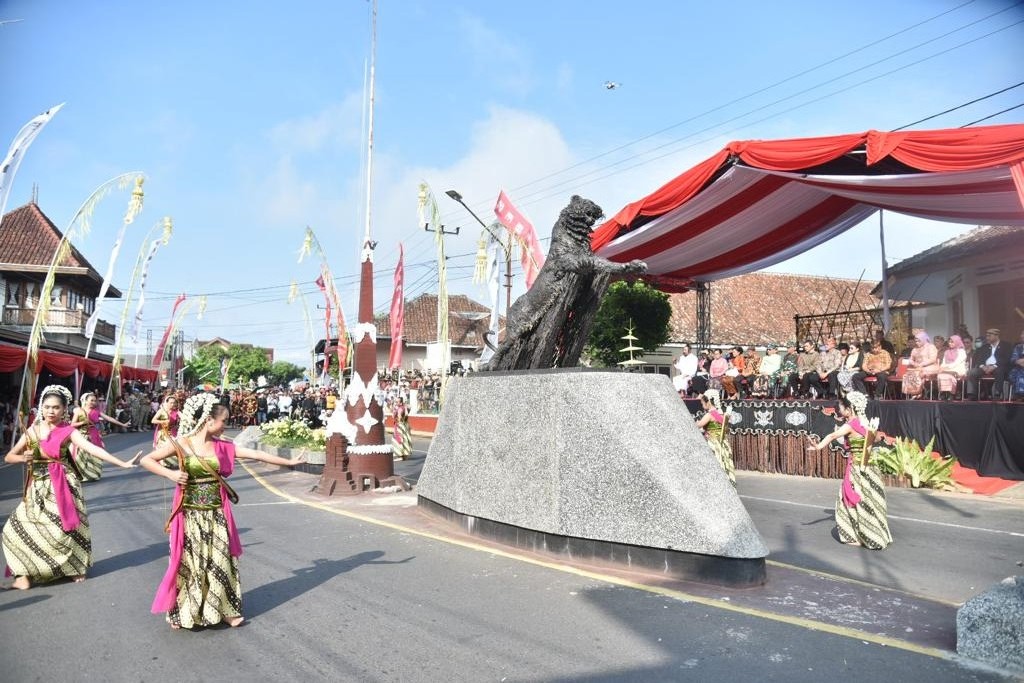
[(686, 367)]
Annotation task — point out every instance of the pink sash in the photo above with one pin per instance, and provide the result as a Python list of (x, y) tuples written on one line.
[(50, 447), (94, 431), (167, 592), (850, 496)]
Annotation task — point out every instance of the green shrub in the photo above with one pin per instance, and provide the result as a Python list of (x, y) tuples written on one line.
[(908, 461), (293, 434)]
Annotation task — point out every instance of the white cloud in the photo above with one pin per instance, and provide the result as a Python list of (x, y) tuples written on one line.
[(335, 126), (493, 54)]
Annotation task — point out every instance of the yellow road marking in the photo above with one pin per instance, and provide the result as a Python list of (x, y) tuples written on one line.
[(809, 624)]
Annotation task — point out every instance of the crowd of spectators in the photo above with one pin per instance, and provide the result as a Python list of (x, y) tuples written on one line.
[(944, 368)]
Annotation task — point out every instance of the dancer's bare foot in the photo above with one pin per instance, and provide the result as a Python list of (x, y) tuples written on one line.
[(174, 627), (234, 622), (78, 579), (21, 583)]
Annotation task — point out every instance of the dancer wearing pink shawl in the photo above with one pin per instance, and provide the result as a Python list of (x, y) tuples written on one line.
[(860, 512), (201, 585), (86, 419), (47, 536)]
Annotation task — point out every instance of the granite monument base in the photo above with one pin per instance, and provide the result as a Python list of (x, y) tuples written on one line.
[(602, 466), (990, 626)]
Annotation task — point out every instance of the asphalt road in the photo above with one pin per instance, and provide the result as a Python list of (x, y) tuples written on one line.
[(328, 597)]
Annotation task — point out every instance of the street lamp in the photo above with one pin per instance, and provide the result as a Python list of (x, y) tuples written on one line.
[(454, 194)]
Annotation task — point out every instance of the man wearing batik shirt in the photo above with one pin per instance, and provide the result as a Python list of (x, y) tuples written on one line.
[(824, 378), (877, 363)]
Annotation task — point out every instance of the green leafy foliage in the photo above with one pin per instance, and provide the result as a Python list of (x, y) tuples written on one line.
[(649, 310), (282, 372), (293, 434), (907, 460), (247, 363)]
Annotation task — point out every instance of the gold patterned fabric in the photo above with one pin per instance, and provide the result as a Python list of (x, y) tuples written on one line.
[(90, 466), (402, 438), (208, 585), (864, 523), (34, 541), (721, 448)]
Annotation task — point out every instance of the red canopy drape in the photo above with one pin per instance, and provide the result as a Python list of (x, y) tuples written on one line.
[(946, 150), (769, 206), (12, 358)]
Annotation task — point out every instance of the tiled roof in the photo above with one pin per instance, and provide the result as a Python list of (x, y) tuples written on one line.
[(28, 237), (421, 321), (758, 308), (984, 240)]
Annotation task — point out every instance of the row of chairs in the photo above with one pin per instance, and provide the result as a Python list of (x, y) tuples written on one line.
[(930, 387)]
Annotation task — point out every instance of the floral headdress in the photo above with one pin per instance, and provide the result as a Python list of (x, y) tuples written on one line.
[(83, 399), (195, 413), (54, 390), (859, 403), (714, 397)]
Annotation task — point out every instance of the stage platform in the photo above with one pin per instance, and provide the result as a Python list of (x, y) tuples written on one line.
[(772, 435)]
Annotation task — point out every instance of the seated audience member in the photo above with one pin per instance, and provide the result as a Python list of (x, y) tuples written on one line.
[(824, 379), (716, 371), (1016, 374), (877, 363), (924, 364), (750, 371), (699, 383), (886, 344), (768, 372), (952, 367), (852, 357), (686, 369), (991, 359), (806, 366), (730, 381), (788, 381)]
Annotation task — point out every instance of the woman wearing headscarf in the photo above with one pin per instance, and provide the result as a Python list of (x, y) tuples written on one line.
[(47, 536), (923, 364), (860, 512), (201, 586), (952, 367)]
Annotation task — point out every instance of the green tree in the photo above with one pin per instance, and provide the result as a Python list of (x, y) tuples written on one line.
[(649, 310), (282, 372), (246, 363)]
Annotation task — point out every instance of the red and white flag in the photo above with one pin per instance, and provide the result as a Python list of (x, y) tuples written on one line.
[(398, 312), (158, 357), (322, 284), (532, 256)]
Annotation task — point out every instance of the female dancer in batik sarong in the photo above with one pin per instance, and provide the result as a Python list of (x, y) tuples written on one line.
[(166, 421), (201, 585), (713, 424), (86, 419), (47, 536), (402, 435), (860, 509)]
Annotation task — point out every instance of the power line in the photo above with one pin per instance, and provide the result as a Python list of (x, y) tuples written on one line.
[(986, 118), (961, 106)]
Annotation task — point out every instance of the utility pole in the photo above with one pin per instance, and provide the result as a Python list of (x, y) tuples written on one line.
[(454, 194)]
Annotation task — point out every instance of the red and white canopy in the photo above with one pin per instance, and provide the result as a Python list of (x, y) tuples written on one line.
[(757, 203)]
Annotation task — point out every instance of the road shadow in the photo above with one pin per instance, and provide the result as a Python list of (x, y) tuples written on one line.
[(132, 558), (265, 598), (24, 602)]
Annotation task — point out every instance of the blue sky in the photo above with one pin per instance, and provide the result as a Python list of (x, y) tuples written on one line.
[(247, 119)]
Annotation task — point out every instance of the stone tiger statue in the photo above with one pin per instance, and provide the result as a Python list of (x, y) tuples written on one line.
[(548, 326)]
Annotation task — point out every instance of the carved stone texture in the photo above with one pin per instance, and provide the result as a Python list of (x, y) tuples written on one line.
[(549, 325)]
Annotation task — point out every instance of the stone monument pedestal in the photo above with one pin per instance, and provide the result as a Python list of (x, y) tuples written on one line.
[(990, 626), (600, 466)]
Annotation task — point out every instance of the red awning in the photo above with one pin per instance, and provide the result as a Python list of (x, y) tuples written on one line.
[(757, 203), (12, 358)]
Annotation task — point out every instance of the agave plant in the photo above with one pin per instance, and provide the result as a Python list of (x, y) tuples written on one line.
[(908, 460)]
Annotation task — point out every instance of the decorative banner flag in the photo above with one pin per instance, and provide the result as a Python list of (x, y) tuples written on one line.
[(397, 312), (322, 284), (225, 367), (532, 256), (494, 248), (202, 307), (159, 355), (137, 322), (342, 347), (16, 152), (134, 207)]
